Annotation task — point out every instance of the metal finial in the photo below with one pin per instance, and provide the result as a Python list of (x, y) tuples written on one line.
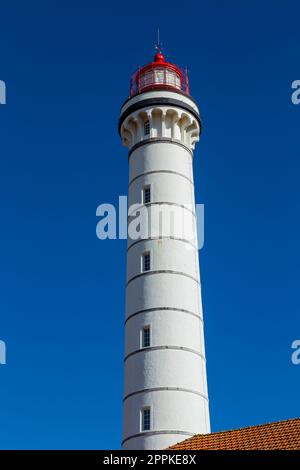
[(158, 45)]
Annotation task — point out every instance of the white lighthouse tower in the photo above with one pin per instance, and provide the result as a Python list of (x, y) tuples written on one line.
[(165, 391)]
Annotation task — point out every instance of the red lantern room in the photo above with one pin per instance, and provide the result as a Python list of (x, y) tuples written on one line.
[(159, 74)]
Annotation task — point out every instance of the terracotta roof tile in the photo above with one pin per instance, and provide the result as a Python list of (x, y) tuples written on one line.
[(271, 436)]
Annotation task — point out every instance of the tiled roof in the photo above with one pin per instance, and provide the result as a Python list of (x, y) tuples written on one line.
[(270, 436)]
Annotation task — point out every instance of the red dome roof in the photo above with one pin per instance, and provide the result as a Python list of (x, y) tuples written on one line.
[(159, 57)]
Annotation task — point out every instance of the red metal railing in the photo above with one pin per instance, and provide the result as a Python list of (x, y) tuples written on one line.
[(159, 75)]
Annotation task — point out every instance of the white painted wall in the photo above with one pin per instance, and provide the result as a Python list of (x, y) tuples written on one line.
[(186, 330), (164, 368), (175, 255), (191, 409), (166, 187), (156, 156), (170, 376), (163, 290)]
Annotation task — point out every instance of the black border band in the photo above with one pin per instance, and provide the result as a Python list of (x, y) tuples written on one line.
[(162, 88)]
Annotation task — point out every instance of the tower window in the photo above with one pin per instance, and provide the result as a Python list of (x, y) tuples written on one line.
[(146, 262), (146, 195), (146, 337), (146, 419), (147, 128)]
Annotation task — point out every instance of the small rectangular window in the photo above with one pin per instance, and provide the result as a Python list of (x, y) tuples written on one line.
[(146, 337), (147, 195), (147, 128), (146, 262), (146, 419)]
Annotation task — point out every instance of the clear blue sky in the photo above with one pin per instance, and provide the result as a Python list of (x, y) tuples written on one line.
[(67, 67)]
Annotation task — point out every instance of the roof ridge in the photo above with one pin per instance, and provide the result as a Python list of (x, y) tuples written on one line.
[(238, 429)]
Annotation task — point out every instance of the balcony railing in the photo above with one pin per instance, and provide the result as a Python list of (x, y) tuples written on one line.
[(156, 76)]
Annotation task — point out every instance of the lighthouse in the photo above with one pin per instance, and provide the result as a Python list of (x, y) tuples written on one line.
[(165, 386)]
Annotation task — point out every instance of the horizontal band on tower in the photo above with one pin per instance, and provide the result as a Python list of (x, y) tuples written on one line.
[(170, 172), (153, 433), (158, 348), (166, 389), (148, 310), (161, 203), (158, 101), (161, 238), (159, 140), (162, 271)]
